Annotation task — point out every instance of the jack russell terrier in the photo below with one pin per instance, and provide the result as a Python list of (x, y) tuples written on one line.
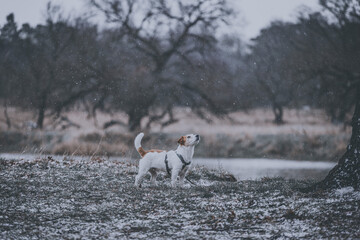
[(174, 162)]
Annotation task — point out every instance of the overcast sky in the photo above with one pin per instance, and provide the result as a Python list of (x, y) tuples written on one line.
[(253, 14)]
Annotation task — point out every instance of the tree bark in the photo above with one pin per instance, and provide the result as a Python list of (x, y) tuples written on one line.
[(40, 119), (41, 109), (7, 118), (278, 112), (347, 172), (135, 117)]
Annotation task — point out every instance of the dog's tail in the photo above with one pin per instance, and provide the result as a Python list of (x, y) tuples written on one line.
[(138, 146)]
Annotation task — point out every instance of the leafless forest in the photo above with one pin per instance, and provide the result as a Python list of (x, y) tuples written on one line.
[(73, 88), (158, 57)]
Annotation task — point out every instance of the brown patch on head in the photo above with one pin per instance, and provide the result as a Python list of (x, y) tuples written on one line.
[(182, 140)]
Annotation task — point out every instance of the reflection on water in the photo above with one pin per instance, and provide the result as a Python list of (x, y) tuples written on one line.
[(257, 168)]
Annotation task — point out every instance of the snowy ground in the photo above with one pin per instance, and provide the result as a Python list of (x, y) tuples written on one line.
[(241, 168), (52, 198)]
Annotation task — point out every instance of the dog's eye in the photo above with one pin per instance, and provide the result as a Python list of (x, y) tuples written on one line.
[(188, 136)]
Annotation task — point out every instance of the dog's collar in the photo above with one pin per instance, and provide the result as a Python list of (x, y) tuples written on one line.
[(182, 159), (167, 165)]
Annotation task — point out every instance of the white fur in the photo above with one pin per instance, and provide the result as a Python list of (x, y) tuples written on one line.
[(154, 162), (137, 140)]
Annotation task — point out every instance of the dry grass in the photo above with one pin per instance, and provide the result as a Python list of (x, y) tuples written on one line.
[(306, 135), (252, 122)]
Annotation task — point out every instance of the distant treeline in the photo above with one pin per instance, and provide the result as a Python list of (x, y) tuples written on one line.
[(157, 55)]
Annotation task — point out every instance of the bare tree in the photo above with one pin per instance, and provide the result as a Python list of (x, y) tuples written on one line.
[(9, 36), (332, 64), (44, 49), (328, 54), (49, 78), (166, 32), (270, 62), (344, 68)]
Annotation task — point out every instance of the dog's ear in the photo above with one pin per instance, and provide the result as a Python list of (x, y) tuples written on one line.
[(182, 140)]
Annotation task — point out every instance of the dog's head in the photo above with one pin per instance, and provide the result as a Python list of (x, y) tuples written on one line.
[(189, 140)]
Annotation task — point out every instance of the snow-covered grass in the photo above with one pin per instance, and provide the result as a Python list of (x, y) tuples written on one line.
[(241, 168), (52, 198)]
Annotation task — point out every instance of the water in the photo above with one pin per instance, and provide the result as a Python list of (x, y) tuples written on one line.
[(244, 169), (241, 168)]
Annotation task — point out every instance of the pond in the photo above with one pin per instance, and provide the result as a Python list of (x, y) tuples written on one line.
[(244, 169)]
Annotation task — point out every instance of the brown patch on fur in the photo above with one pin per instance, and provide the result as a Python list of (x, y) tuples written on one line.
[(142, 152), (182, 140), (155, 150)]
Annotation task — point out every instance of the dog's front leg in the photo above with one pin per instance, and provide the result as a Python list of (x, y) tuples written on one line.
[(182, 177), (174, 174)]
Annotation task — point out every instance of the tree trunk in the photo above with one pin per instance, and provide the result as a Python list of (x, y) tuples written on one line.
[(347, 171), (41, 109), (7, 118), (278, 112), (134, 122), (40, 119), (338, 115)]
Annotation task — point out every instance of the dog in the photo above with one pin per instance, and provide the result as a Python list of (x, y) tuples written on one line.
[(175, 162)]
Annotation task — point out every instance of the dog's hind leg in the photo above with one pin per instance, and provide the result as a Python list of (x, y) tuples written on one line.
[(153, 176), (141, 174), (138, 180)]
